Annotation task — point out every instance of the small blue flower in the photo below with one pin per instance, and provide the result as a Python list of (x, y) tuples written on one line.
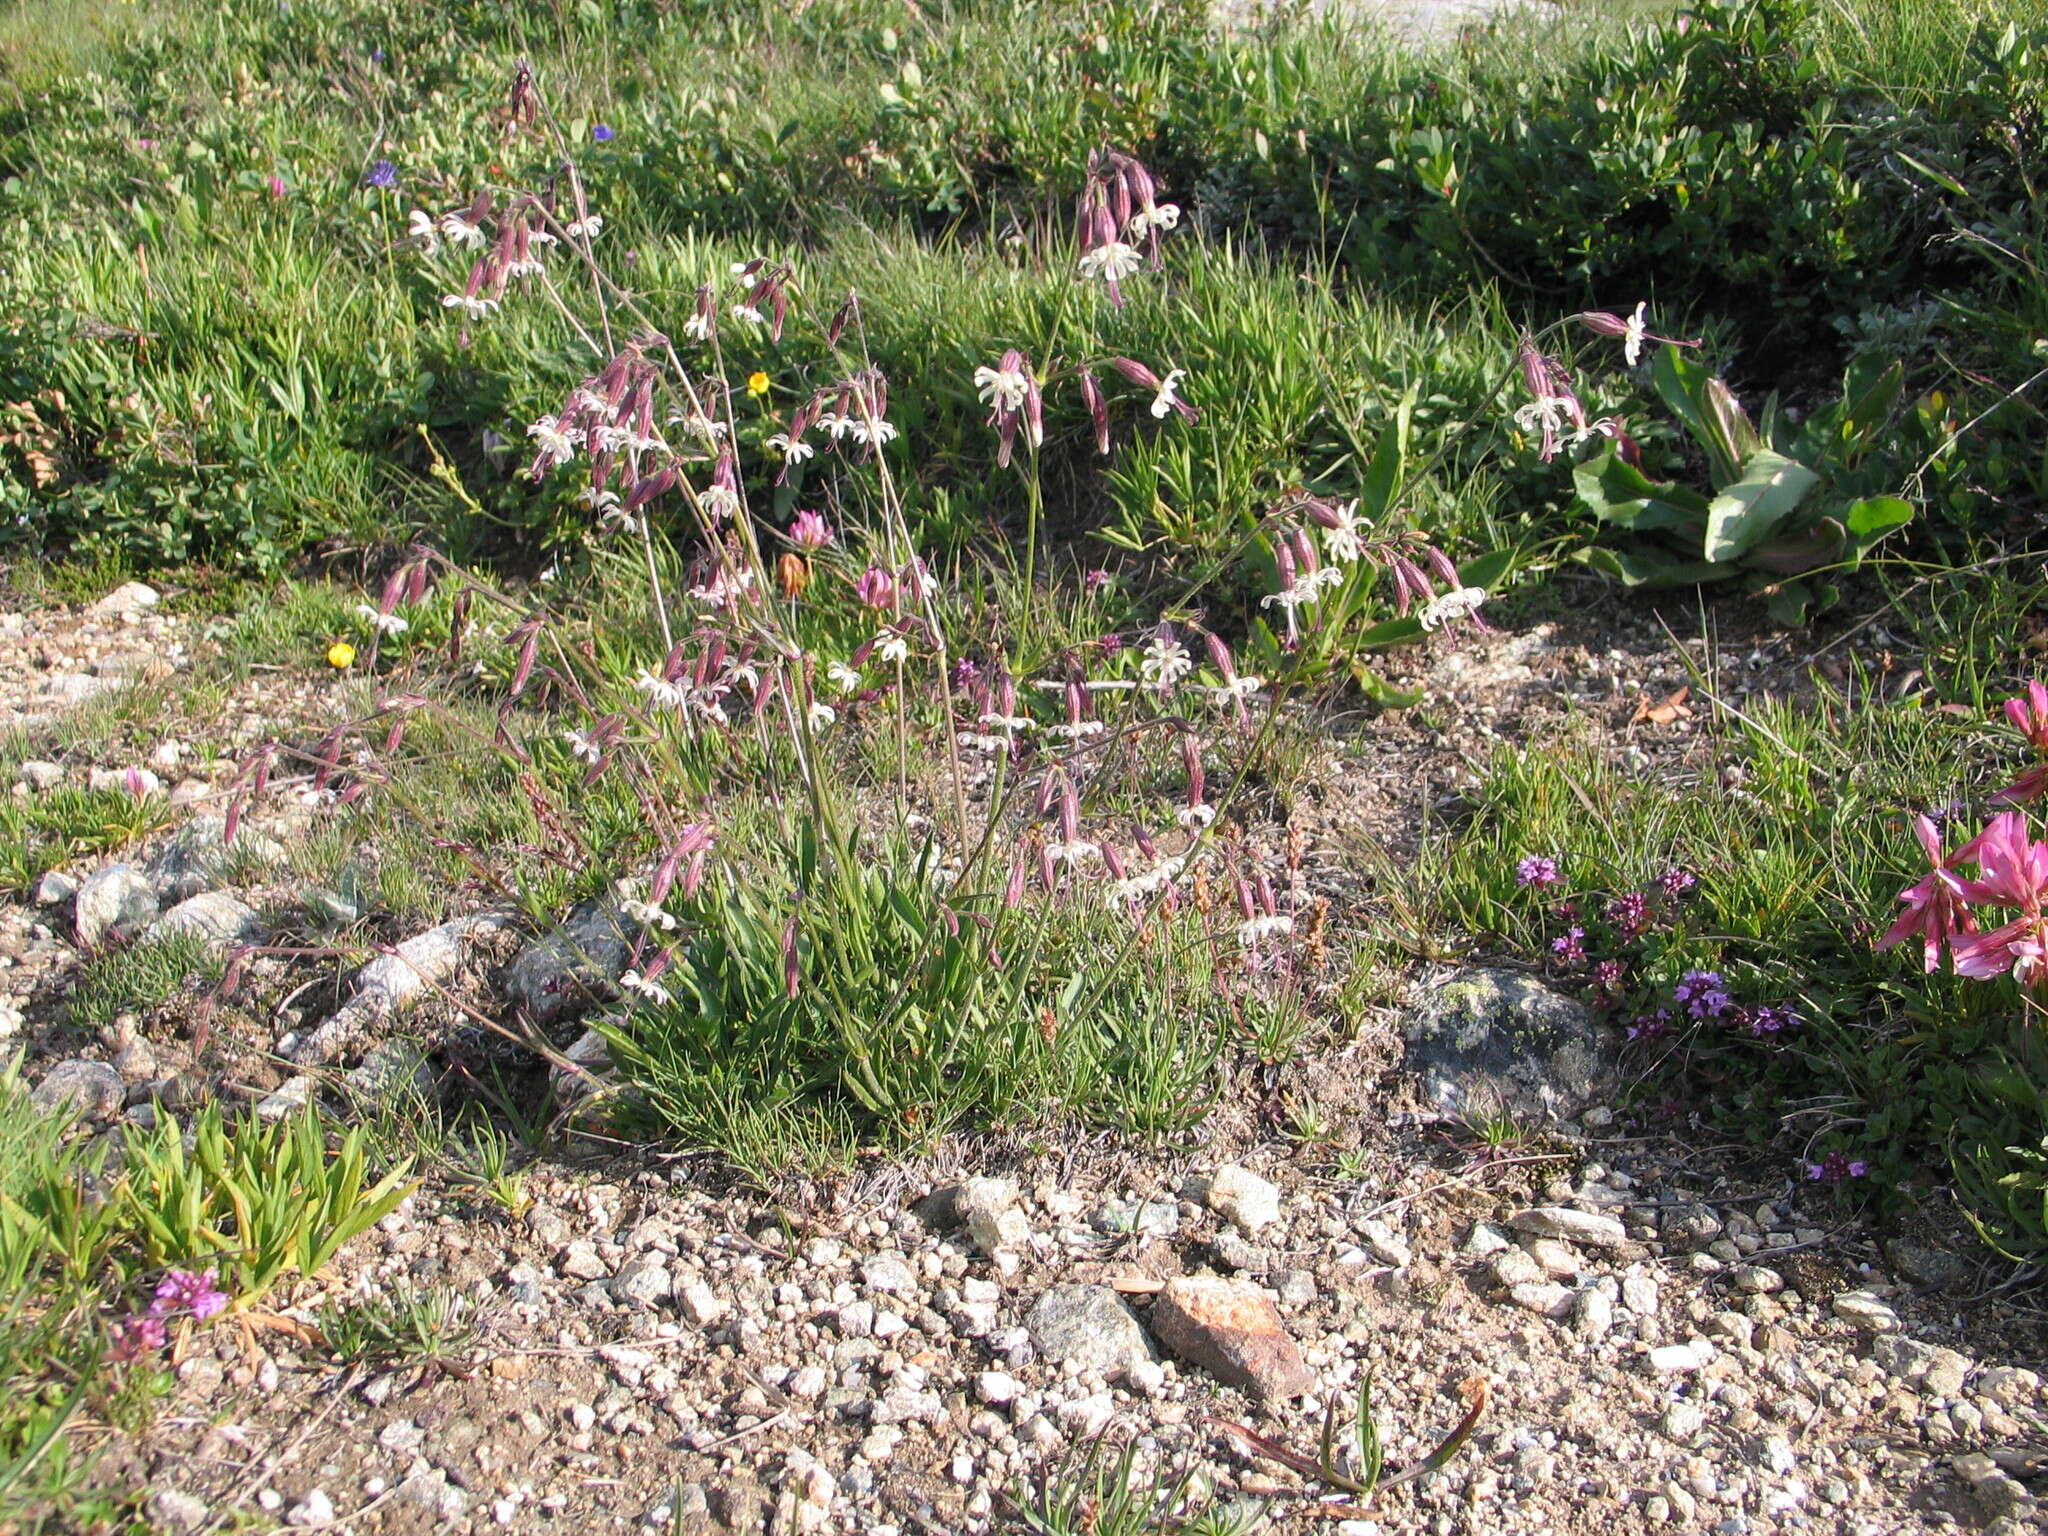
[(382, 175), (602, 133)]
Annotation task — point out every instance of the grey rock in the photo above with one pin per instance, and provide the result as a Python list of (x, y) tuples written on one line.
[(293, 1095), (39, 775), (988, 1209), (1866, 1312), (119, 781), (1486, 1041), (55, 888), (113, 905), (1546, 1297), (1240, 1196), (432, 1494), (576, 965), (11, 1018), (81, 1088), (1088, 1327), (176, 1510), (136, 1061), (220, 919), (1923, 1265), (1567, 1225), (129, 597), (889, 1273), (392, 1068), (641, 1282), (199, 858), (393, 981)]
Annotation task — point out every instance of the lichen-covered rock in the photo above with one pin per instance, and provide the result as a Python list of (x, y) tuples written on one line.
[(1487, 1040), (576, 965), (114, 905), (1087, 1327), (222, 920), (198, 857)]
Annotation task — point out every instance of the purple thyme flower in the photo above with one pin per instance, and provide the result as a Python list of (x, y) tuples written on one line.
[(1676, 882), (1837, 1166), (137, 1336), (1629, 914), (1571, 948), (1771, 1019), (183, 1291), (1096, 580), (1538, 871), (1607, 976), (383, 175), (602, 133), (1650, 1026), (1701, 994)]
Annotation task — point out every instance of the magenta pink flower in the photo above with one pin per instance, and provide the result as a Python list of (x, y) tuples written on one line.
[(2029, 716), (1936, 908), (2012, 871), (810, 531), (183, 1291), (876, 587)]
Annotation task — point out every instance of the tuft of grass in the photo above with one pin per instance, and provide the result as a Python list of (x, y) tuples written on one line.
[(39, 833), (401, 1325), (144, 975)]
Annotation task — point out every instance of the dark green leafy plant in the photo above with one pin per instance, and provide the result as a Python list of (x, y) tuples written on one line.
[(1792, 501)]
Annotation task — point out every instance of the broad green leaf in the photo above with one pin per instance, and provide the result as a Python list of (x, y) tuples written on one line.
[(1635, 568), (1615, 491), (1872, 518), (1803, 551), (1770, 490), (1401, 631)]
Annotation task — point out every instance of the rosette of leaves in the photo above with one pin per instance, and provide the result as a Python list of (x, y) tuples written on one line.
[(1794, 502)]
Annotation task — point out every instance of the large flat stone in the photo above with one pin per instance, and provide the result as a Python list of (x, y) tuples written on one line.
[(1232, 1330)]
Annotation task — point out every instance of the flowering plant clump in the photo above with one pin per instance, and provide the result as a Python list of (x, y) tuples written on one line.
[(1993, 924), (181, 1293)]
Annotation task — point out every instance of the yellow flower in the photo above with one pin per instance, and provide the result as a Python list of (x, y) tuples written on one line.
[(340, 654), (757, 384)]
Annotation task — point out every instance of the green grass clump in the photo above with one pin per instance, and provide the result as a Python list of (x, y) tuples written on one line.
[(40, 832)]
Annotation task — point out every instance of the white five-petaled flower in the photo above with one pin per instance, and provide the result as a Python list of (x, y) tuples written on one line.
[(651, 991), (723, 587), (877, 432), (820, 715), (1079, 851), (793, 452), (476, 309), (557, 444), (1112, 261), (647, 915), (459, 231), (1632, 338), (719, 502), (1074, 730), (610, 437), (421, 229), (1240, 687), (1195, 817), (1164, 216), (1151, 882), (1169, 392), (527, 268), (843, 677), (835, 425), (383, 623), (1548, 416), (1002, 389), (581, 744), (1344, 544), (697, 424), (657, 690), (1461, 604), (1166, 663), (892, 647), (589, 227), (974, 741), (748, 313), (1249, 933), (698, 327), (1001, 722)]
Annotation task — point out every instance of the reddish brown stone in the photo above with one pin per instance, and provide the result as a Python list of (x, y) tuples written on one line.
[(1233, 1331)]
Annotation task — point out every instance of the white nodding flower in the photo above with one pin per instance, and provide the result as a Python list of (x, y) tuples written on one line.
[(820, 715), (1195, 817), (836, 425), (1002, 389), (1074, 730), (421, 228), (1547, 416), (1632, 337), (657, 690), (877, 433), (581, 744), (698, 327), (648, 991), (974, 741), (610, 437), (1344, 543), (892, 647), (1452, 606), (1079, 851), (383, 623), (1154, 880), (589, 227), (1111, 262), (648, 915), (1169, 392), (1249, 933), (718, 502), (720, 591), (749, 314), (1241, 687), (541, 237), (697, 424), (1291, 598), (522, 269), (475, 309), (1001, 722), (1322, 576), (747, 677), (596, 500), (644, 442), (1166, 663), (1164, 216), (617, 517), (557, 443), (843, 677), (793, 452), (459, 231)]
